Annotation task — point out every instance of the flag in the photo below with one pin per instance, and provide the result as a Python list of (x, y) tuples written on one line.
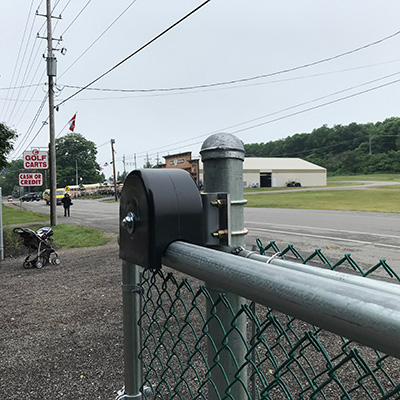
[(71, 123)]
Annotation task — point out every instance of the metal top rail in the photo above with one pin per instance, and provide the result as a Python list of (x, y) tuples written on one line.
[(360, 309)]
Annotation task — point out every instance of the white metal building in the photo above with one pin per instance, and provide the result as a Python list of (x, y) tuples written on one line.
[(278, 172)]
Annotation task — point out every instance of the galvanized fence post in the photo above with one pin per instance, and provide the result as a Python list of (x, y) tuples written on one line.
[(223, 156), (131, 301)]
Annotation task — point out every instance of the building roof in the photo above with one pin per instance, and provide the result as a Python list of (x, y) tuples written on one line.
[(279, 163), (268, 164)]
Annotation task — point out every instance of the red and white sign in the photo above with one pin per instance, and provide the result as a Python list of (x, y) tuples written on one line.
[(36, 159), (30, 179)]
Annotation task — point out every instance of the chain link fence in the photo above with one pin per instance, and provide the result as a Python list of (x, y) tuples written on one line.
[(286, 358)]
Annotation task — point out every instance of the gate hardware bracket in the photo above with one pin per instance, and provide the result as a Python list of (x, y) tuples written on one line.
[(222, 202), (224, 233), (132, 288)]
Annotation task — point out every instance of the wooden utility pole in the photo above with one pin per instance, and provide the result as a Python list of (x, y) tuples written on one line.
[(115, 176), (51, 73)]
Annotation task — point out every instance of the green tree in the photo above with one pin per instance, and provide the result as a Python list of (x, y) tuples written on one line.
[(121, 176), (9, 180), (7, 136), (75, 153)]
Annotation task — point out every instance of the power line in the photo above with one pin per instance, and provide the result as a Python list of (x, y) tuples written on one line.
[(99, 37), (136, 52), (32, 124), (277, 112), (19, 53), (77, 16), (210, 85), (319, 106), (172, 91), (21, 87)]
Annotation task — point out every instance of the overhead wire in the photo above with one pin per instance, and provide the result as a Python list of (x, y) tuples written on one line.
[(211, 85), (136, 51), (99, 37), (76, 17), (18, 56), (280, 71), (30, 128), (19, 53), (211, 89), (152, 151), (29, 67), (319, 106), (44, 123)]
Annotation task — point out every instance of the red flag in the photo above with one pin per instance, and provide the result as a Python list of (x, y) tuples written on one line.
[(72, 123)]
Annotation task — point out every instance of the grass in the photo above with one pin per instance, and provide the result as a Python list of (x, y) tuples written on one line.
[(71, 236), (67, 236), (352, 200), (13, 216), (373, 177), (271, 189)]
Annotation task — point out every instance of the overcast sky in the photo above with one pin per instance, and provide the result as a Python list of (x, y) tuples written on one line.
[(225, 41)]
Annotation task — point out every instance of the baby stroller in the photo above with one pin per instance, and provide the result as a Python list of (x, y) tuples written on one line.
[(40, 246)]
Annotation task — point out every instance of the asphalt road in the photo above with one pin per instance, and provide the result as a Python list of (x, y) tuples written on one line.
[(367, 236)]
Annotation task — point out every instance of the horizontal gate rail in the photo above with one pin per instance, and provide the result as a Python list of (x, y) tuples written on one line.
[(360, 309)]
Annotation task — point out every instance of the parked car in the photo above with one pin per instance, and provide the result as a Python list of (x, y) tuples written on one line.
[(9, 199), (59, 196), (30, 197)]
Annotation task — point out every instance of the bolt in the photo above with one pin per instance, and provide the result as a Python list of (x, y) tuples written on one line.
[(129, 222), (220, 233)]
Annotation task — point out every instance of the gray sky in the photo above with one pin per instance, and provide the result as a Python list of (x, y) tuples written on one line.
[(227, 40)]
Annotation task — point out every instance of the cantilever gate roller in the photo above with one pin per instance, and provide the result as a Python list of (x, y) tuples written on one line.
[(158, 206)]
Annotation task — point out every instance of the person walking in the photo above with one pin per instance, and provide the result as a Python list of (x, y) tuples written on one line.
[(67, 202)]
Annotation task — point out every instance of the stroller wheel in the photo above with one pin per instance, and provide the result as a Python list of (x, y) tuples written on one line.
[(56, 261), (26, 264), (39, 263)]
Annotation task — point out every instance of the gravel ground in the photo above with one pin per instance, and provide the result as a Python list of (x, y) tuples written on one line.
[(61, 330), (61, 327)]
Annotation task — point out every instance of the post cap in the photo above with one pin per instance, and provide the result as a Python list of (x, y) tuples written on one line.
[(222, 145)]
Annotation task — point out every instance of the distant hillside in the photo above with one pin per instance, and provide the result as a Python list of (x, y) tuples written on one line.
[(351, 149)]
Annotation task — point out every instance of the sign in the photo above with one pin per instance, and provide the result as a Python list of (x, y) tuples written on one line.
[(30, 179), (66, 188), (35, 159)]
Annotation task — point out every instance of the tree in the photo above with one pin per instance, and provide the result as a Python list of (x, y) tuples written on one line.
[(121, 176), (75, 153), (9, 180), (7, 136)]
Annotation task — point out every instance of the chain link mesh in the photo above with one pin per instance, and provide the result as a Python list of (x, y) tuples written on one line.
[(286, 358)]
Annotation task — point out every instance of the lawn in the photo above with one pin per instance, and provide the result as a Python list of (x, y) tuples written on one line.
[(373, 177), (353, 200), (12, 216), (67, 236)]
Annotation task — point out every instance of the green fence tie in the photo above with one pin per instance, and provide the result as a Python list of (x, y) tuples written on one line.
[(347, 257), (386, 267), (320, 255), (295, 252), (260, 246)]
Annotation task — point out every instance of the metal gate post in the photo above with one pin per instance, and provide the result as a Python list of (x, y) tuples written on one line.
[(223, 156), (131, 299)]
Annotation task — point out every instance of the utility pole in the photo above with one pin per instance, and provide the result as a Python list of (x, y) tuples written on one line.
[(51, 74), (115, 176), (123, 160)]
